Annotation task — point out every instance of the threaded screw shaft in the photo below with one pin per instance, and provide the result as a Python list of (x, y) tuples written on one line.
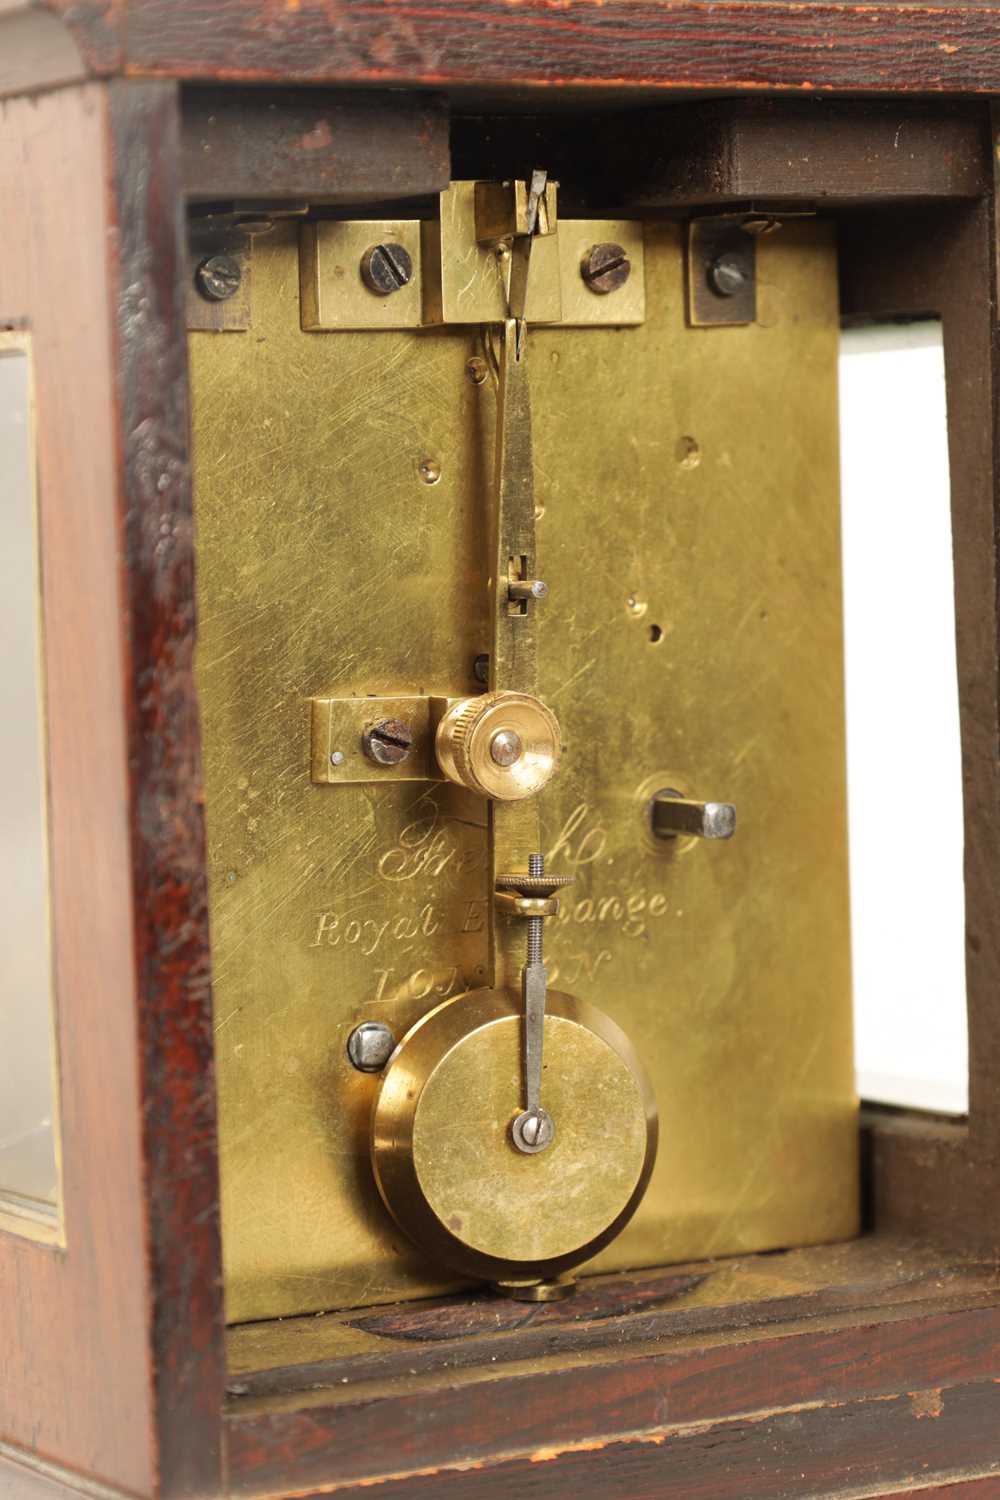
[(536, 925)]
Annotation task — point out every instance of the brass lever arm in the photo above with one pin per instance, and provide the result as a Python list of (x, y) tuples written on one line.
[(514, 826), (513, 659), (520, 265)]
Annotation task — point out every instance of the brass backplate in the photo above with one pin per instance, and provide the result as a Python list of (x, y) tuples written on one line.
[(688, 528)]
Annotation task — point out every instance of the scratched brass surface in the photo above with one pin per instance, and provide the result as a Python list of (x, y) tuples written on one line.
[(466, 281), (330, 285), (687, 480)]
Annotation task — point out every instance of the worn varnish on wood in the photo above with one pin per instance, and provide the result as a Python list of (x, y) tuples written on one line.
[(751, 1376), (607, 47), (91, 1300), (112, 1359), (321, 146), (602, 45)]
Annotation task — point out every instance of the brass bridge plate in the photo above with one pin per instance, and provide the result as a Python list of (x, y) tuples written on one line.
[(686, 483)]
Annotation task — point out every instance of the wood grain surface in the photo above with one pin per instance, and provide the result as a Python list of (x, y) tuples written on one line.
[(113, 1350), (856, 1449), (170, 913), (607, 47), (793, 1413), (601, 45), (74, 1326), (113, 1357), (743, 1349), (315, 144)]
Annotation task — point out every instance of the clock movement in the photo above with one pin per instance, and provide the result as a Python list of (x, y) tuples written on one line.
[(487, 604)]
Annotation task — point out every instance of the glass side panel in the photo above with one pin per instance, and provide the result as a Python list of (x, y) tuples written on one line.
[(907, 892), (29, 1169)]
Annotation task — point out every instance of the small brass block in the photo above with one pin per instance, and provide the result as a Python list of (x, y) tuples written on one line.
[(581, 307), (527, 906), (337, 728), (466, 282), (234, 314), (332, 292), (502, 210), (708, 240)]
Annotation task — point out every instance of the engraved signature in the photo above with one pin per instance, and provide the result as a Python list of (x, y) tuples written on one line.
[(580, 842), (575, 843), (425, 848), (570, 968), (628, 913), (367, 933), (420, 984)]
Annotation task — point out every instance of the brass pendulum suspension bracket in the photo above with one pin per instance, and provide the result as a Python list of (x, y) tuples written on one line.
[(514, 655), (494, 257), (520, 261), (514, 829), (514, 826)]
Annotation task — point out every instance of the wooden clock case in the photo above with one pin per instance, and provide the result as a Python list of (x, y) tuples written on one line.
[(871, 1368)]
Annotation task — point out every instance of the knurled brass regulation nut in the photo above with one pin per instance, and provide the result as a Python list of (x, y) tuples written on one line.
[(465, 736)]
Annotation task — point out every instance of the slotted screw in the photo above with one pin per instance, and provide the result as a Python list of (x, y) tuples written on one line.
[(605, 267), (218, 278), (388, 742), (727, 276), (386, 268)]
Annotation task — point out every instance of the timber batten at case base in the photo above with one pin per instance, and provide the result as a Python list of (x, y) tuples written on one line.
[(450, 940)]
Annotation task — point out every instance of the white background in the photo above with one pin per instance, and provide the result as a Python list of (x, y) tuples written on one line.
[(903, 752)]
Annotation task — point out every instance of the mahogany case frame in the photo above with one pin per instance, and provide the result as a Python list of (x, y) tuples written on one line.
[(869, 1369)]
